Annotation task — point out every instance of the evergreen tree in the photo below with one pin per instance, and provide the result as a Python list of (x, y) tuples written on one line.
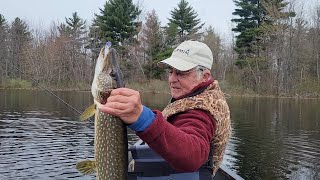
[(72, 49), (185, 17), (3, 23), (257, 19), (74, 29), (19, 39), (171, 34), (118, 21), (64, 30), (253, 14), (77, 27), (249, 13), (78, 32)]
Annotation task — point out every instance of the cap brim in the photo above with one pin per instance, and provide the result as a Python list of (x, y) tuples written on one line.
[(176, 63)]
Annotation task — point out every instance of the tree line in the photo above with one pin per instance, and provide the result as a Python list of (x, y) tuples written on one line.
[(275, 47), (278, 46)]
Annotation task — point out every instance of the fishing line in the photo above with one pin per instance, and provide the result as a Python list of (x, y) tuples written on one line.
[(47, 90)]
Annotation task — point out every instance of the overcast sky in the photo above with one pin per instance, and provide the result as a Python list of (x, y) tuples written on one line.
[(216, 13)]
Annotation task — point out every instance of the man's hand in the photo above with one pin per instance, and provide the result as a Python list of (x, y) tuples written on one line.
[(124, 103)]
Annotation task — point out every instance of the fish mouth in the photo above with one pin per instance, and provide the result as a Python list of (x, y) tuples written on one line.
[(108, 76)]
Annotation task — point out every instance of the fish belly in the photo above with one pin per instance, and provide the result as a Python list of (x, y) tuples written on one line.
[(110, 147)]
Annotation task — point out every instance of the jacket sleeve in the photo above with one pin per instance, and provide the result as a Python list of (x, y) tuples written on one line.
[(184, 142)]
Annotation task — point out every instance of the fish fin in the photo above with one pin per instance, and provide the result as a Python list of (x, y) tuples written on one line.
[(86, 167), (90, 111)]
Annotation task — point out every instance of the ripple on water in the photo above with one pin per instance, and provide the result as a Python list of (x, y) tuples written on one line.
[(36, 147), (302, 157)]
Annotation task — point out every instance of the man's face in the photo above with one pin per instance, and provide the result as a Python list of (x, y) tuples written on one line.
[(182, 82)]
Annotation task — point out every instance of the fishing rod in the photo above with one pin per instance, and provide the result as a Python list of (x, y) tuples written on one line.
[(47, 90)]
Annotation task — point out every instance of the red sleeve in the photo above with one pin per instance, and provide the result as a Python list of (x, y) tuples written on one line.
[(184, 142)]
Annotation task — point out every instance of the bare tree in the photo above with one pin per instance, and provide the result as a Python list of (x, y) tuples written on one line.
[(151, 39), (3, 48), (213, 40), (315, 39)]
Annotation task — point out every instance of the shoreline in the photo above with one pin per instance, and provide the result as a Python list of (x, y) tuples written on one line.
[(227, 95)]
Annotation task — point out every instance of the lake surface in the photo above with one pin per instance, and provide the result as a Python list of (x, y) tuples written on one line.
[(41, 138)]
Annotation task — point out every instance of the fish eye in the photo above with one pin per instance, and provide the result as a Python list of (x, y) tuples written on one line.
[(113, 74)]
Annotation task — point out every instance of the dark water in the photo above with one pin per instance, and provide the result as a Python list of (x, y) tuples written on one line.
[(40, 138)]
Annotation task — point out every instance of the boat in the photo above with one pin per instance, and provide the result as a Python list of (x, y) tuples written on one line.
[(145, 164)]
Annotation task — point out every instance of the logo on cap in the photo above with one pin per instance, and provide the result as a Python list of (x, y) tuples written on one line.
[(183, 51)]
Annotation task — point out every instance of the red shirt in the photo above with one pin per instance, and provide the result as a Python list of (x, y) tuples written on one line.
[(183, 139)]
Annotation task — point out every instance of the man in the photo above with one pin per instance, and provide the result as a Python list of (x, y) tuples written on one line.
[(196, 119)]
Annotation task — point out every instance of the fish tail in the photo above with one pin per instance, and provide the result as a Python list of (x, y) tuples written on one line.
[(86, 167)]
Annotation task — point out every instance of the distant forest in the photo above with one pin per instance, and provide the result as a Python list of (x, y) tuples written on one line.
[(275, 47)]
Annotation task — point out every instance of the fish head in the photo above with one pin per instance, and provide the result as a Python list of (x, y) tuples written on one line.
[(104, 79)]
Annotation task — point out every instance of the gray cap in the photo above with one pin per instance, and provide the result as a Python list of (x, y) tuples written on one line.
[(188, 55)]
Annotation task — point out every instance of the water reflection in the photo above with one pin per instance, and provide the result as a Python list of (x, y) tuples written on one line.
[(40, 138), (279, 138)]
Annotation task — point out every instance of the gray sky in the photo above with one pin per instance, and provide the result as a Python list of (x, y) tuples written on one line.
[(216, 13)]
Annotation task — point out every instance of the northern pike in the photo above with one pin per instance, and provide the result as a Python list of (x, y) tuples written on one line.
[(110, 141)]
